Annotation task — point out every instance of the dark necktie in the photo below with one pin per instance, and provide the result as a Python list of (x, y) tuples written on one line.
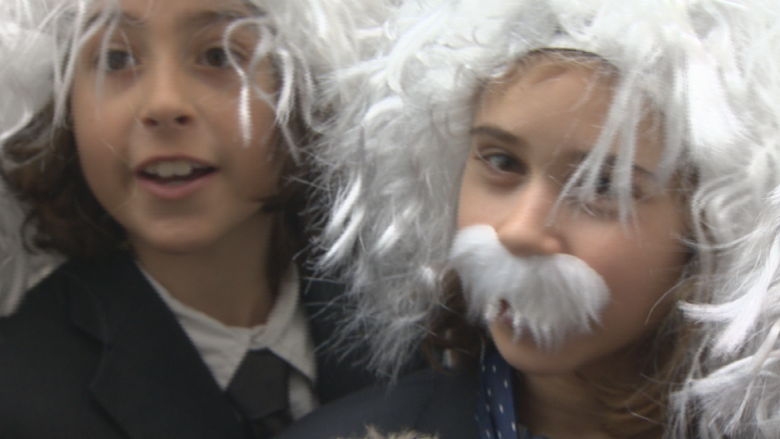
[(259, 391)]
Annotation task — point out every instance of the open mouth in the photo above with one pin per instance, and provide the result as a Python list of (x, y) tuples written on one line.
[(175, 172), (505, 313)]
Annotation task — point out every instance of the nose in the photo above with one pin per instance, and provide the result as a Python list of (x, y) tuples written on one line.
[(528, 228), (166, 96)]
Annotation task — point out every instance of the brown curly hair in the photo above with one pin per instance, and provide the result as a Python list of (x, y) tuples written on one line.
[(41, 168)]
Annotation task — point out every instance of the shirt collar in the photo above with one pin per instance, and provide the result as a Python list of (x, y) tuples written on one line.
[(223, 347), (496, 404)]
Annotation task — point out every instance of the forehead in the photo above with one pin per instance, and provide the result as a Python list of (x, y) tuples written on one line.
[(565, 102), (145, 12), (544, 84)]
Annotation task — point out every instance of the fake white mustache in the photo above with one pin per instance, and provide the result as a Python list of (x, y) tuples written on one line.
[(550, 297)]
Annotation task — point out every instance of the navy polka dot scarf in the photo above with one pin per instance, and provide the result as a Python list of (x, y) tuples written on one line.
[(496, 407)]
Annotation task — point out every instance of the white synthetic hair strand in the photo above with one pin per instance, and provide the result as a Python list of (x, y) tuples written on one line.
[(738, 368), (373, 433), (30, 47), (40, 41), (392, 161)]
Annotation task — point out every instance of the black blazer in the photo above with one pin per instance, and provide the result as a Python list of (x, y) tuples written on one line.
[(441, 404), (94, 352)]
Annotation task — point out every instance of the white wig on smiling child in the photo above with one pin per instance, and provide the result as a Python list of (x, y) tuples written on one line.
[(392, 165), (39, 40)]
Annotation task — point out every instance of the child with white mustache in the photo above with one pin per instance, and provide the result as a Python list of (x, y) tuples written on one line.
[(572, 296), (616, 156)]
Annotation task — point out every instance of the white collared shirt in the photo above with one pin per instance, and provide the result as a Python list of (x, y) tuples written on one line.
[(286, 334)]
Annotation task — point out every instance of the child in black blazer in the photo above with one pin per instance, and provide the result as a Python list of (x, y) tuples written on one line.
[(158, 147)]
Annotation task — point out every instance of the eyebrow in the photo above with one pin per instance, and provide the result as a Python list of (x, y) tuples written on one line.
[(495, 133), (611, 159), (513, 140)]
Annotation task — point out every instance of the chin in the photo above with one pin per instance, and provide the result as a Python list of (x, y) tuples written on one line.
[(525, 356), (175, 243), (176, 248)]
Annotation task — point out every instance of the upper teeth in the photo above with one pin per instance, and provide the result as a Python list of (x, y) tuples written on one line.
[(177, 168)]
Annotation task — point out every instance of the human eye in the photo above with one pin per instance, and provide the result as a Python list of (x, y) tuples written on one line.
[(221, 57), (500, 161), (215, 57), (604, 187), (113, 51), (601, 198), (115, 60), (598, 200)]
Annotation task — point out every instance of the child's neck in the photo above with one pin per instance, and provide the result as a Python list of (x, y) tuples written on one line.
[(564, 406), (558, 407), (227, 281)]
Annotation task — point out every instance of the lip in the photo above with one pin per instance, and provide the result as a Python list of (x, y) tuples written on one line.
[(505, 315), (178, 191)]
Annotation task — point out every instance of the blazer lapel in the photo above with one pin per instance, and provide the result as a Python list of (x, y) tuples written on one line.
[(337, 375), (150, 380)]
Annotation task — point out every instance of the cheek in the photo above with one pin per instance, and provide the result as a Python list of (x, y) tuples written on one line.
[(464, 217), (639, 277), (265, 134), (101, 169), (263, 116), (252, 168), (472, 204), (262, 169), (259, 167), (94, 149), (102, 164)]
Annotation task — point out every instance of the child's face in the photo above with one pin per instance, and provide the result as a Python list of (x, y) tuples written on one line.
[(528, 136), (157, 125)]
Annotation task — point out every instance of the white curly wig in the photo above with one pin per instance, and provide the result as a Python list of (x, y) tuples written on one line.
[(392, 163), (39, 40)]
